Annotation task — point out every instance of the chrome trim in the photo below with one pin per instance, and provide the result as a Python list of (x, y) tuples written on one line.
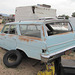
[(48, 56)]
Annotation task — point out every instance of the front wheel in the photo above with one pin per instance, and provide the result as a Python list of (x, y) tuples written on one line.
[(12, 58)]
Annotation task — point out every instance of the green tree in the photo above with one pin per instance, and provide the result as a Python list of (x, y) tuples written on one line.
[(64, 16), (73, 14)]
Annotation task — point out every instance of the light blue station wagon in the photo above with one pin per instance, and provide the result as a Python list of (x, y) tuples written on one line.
[(43, 40)]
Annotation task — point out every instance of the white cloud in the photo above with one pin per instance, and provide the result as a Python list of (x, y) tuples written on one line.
[(63, 7)]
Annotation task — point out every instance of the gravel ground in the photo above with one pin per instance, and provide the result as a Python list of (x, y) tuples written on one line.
[(70, 56), (25, 68)]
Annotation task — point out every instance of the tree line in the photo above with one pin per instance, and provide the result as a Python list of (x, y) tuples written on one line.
[(66, 16)]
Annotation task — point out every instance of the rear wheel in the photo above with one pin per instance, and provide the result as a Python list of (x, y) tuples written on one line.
[(12, 58)]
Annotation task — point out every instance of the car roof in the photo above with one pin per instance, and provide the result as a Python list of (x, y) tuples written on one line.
[(56, 20), (36, 22), (26, 22)]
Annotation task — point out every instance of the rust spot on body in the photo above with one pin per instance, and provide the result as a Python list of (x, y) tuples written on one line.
[(64, 33), (23, 38), (3, 34), (43, 31), (44, 39), (11, 35), (27, 38)]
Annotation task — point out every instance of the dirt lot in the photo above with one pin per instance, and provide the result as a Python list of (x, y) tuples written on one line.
[(25, 68), (70, 56)]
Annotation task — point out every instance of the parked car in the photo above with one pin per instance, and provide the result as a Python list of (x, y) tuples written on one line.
[(43, 40)]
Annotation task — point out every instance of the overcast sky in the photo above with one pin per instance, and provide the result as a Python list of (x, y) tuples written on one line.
[(63, 6)]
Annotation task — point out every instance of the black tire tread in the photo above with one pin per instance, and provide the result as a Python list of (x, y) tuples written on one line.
[(15, 64)]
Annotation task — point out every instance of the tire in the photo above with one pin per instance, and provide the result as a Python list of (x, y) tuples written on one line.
[(13, 54), (58, 66)]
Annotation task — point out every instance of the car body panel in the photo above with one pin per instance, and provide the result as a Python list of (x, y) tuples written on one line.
[(56, 44), (31, 46), (34, 46)]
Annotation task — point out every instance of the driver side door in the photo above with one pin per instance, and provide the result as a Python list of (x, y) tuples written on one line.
[(3, 34)]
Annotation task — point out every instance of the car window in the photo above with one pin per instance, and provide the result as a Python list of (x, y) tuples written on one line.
[(31, 30), (13, 29), (6, 29), (58, 27), (61, 26)]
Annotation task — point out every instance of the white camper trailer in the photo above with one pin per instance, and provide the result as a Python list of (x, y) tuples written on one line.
[(34, 12)]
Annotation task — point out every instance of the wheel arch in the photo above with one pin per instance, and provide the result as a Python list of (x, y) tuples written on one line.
[(22, 52)]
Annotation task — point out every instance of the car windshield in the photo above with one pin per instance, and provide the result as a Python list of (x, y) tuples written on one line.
[(58, 27)]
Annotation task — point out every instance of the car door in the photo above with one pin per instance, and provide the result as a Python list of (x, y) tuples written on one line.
[(3, 34), (10, 38), (30, 40)]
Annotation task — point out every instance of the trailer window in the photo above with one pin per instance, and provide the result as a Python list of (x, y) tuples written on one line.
[(30, 30)]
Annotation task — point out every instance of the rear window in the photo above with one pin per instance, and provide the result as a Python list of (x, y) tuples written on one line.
[(58, 27), (31, 30)]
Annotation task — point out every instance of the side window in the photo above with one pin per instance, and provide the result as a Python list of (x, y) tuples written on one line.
[(6, 29), (12, 29), (31, 30)]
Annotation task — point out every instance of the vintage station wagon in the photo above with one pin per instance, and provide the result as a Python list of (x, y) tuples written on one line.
[(43, 40)]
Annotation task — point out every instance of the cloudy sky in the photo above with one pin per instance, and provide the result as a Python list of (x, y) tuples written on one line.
[(63, 6)]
